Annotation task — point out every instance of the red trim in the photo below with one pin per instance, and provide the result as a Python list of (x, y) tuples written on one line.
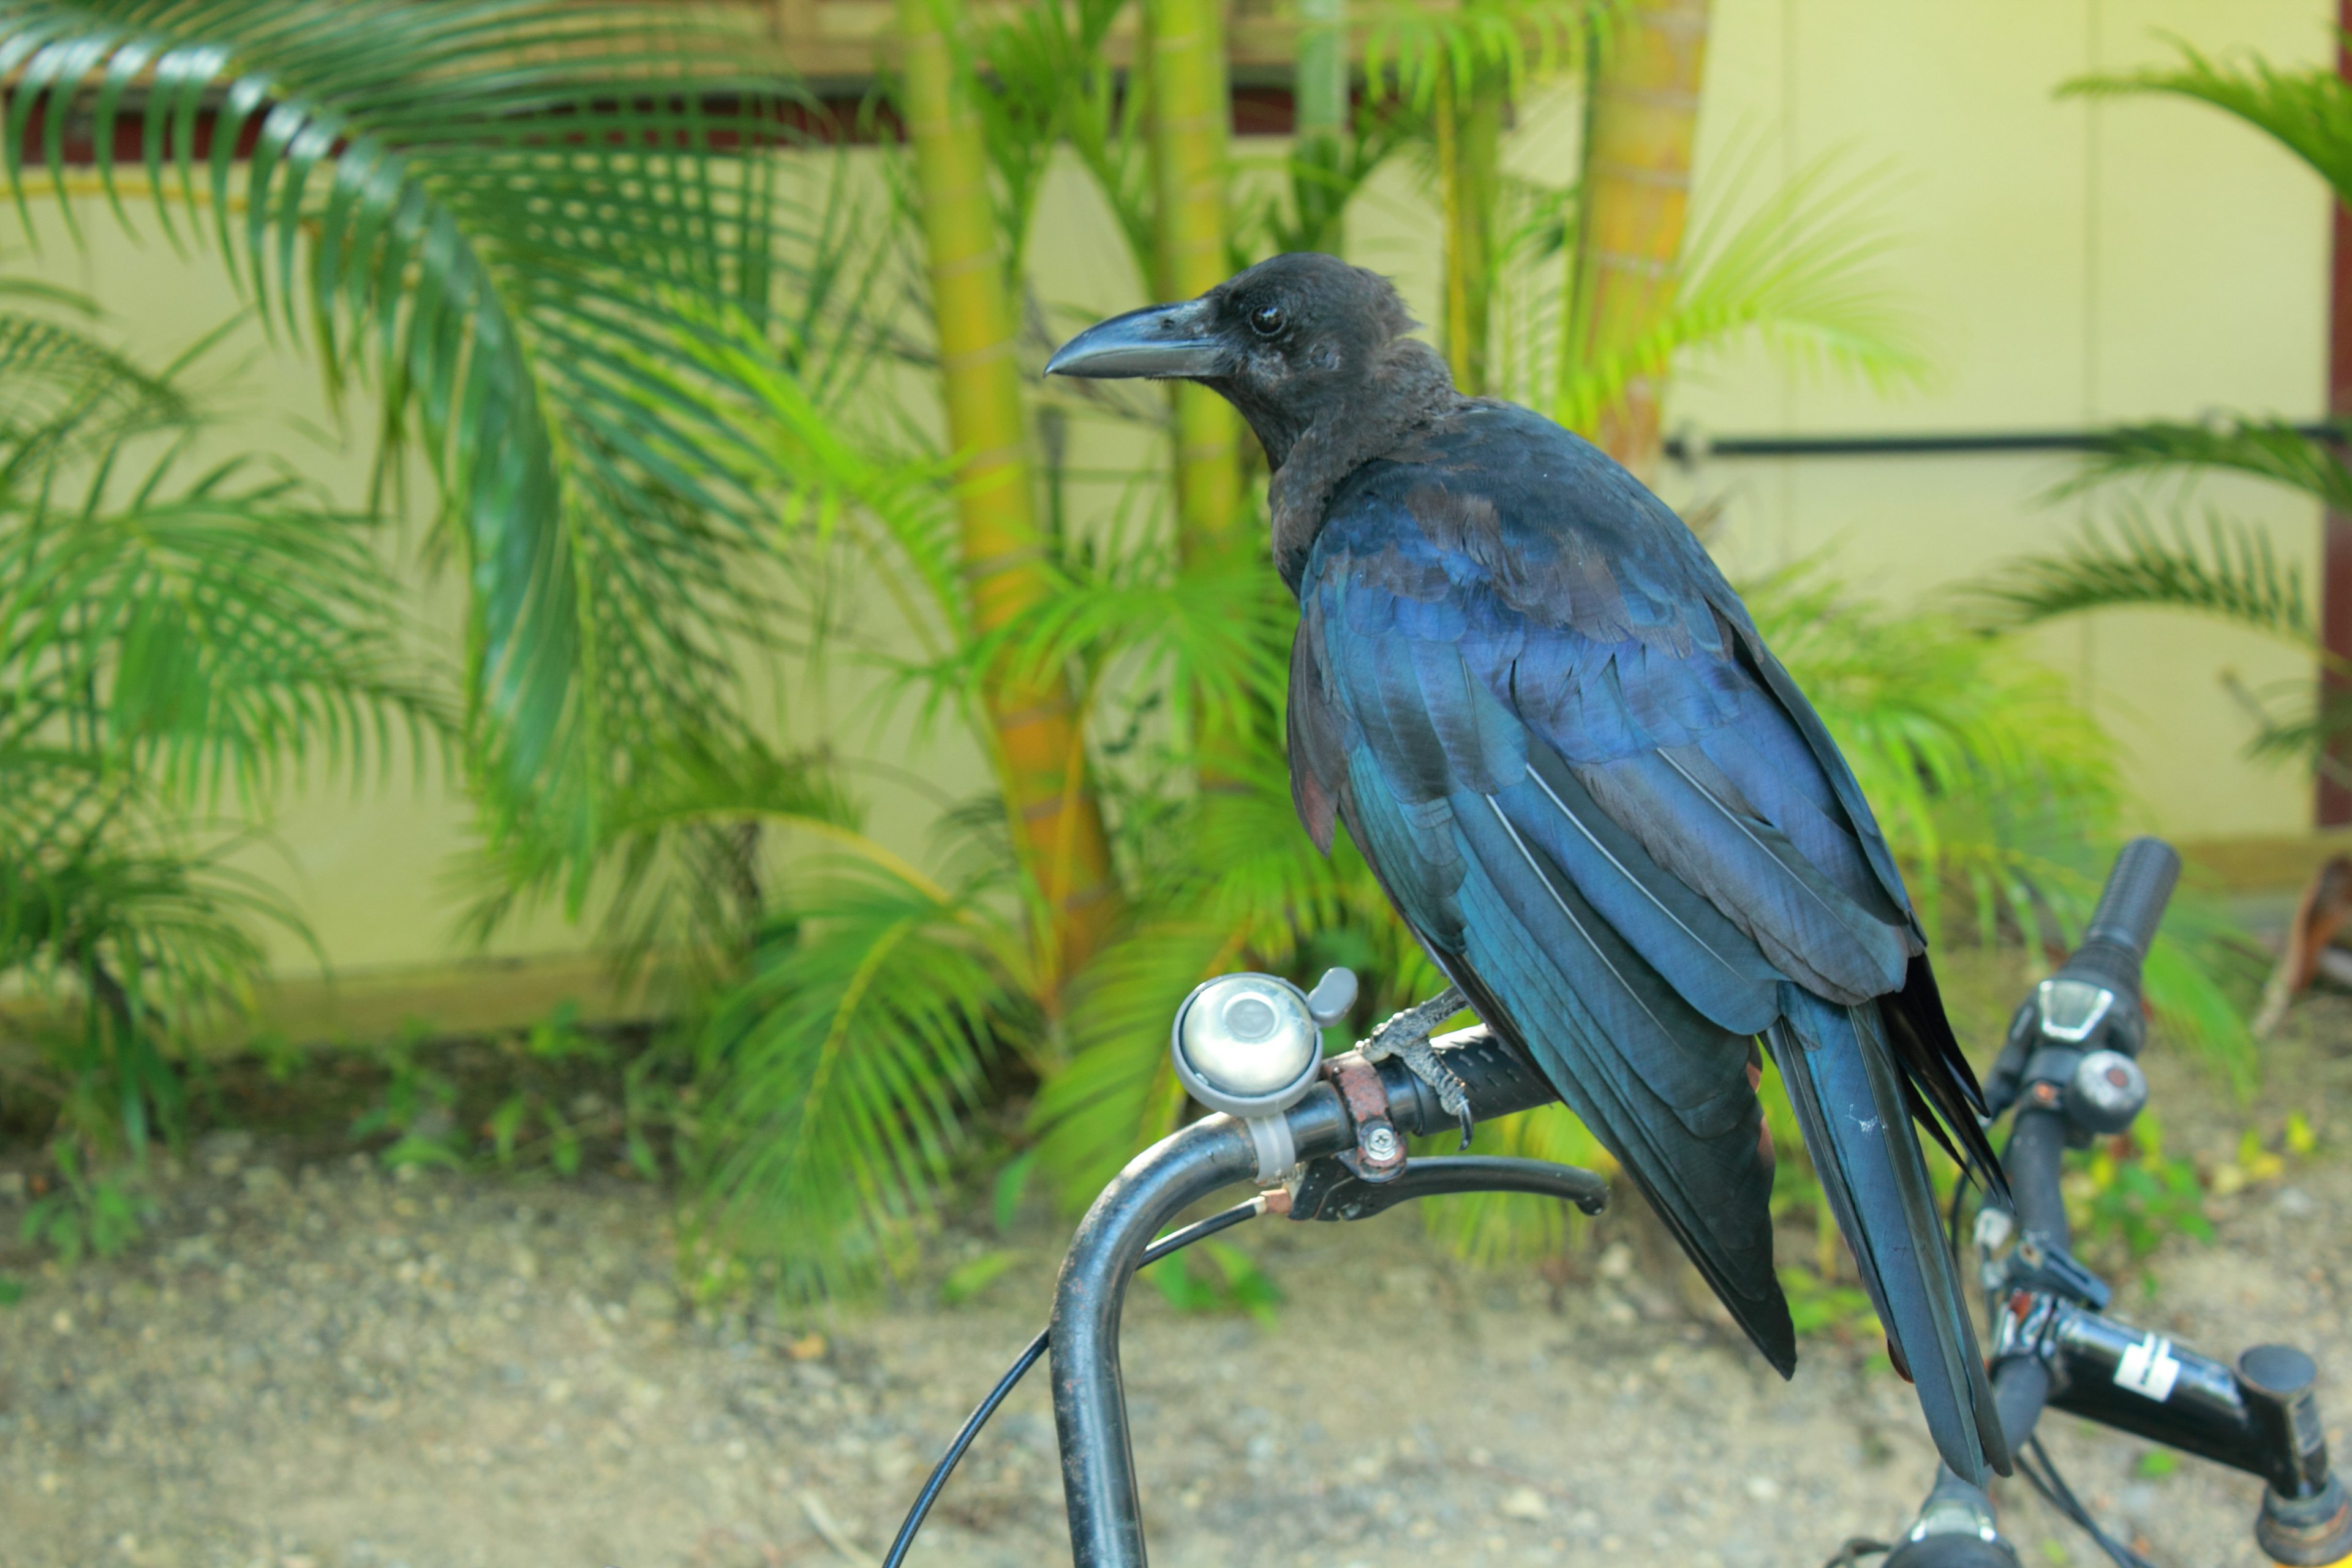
[(833, 119), (2332, 802)]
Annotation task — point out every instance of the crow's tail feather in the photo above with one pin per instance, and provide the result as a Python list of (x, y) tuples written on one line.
[(1850, 1100)]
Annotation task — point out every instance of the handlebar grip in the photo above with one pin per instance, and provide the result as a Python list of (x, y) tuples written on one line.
[(2131, 905), (2020, 1387), (1497, 1079), (2036, 1146)]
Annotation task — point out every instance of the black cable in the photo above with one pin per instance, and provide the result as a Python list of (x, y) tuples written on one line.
[(1174, 1241), (1689, 449), (2059, 1495)]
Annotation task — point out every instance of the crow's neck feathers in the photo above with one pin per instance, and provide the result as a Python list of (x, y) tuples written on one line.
[(1408, 388)]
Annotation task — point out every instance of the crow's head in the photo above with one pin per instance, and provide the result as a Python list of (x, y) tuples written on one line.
[(1298, 339)]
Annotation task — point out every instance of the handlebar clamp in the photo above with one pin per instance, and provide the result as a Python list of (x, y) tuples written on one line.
[(1378, 1155)]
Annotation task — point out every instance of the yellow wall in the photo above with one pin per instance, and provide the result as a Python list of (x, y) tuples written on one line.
[(2079, 263), (2073, 262)]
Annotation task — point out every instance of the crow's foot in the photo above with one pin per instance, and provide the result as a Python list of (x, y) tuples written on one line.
[(1406, 1038)]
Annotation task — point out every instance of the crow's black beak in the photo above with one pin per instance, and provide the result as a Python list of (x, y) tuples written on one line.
[(1162, 343)]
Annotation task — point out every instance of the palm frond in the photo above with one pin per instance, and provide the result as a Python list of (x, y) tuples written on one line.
[(2132, 561), (1511, 42), (1117, 1092), (1975, 758), (1211, 638), (226, 633), (2260, 448), (1320, 182), (1228, 881), (58, 379), (2306, 110), (125, 919), (1803, 271), (1051, 85), (171, 637), (503, 214), (840, 1068), (684, 875), (835, 481), (1998, 794)]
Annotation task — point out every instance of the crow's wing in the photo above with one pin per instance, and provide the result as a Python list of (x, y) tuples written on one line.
[(1550, 725)]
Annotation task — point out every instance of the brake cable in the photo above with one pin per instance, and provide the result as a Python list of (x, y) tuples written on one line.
[(1174, 1241), (2054, 1491)]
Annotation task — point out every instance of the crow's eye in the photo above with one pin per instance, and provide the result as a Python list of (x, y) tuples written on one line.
[(1265, 321)]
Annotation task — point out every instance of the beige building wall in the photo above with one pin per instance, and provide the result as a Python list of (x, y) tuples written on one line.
[(2072, 263), (2079, 262)]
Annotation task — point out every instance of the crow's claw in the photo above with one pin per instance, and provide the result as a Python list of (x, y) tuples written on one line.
[(1406, 1038)]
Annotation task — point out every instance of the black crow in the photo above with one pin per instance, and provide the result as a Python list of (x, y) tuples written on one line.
[(1596, 798)]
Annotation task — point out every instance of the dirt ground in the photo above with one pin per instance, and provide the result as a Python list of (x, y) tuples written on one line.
[(321, 1366)]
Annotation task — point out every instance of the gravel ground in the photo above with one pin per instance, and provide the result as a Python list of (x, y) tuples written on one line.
[(325, 1367)]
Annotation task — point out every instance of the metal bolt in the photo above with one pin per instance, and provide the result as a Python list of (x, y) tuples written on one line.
[(1380, 1145)]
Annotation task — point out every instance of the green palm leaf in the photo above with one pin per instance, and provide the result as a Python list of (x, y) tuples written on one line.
[(1213, 638), (1996, 792), (2260, 448), (170, 637), (57, 380), (683, 878), (2130, 562), (217, 634), (141, 936), (1408, 46), (1803, 271), (842, 1063), (2308, 111), (507, 215)]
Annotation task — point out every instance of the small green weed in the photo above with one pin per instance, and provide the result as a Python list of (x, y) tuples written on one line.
[(529, 1122), (95, 1212), (2129, 1192), (973, 1275), (417, 1108), (1215, 1277), (1820, 1306), (543, 1099), (1011, 1187)]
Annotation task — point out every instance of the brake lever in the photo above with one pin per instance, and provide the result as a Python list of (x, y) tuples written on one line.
[(2042, 1266), (1326, 1190)]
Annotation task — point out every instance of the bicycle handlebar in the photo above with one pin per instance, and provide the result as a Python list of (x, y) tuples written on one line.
[(2131, 905), (1098, 1482), (1497, 1079), (2036, 1146), (2064, 1069), (2115, 945)]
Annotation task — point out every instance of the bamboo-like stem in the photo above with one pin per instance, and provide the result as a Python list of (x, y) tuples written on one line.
[(1040, 755), (1640, 119), (1185, 65), (1469, 132), (1319, 129)]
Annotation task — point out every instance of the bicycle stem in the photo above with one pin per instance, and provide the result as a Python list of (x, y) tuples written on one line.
[(1098, 1489), (1098, 1485)]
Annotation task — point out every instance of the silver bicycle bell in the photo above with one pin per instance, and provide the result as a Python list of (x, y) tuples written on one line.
[(1250, 1045)]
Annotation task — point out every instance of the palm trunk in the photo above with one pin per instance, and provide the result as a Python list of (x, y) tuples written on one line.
[(1640, 119), (1188, 107), (1469, 178), (1040, 754)]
